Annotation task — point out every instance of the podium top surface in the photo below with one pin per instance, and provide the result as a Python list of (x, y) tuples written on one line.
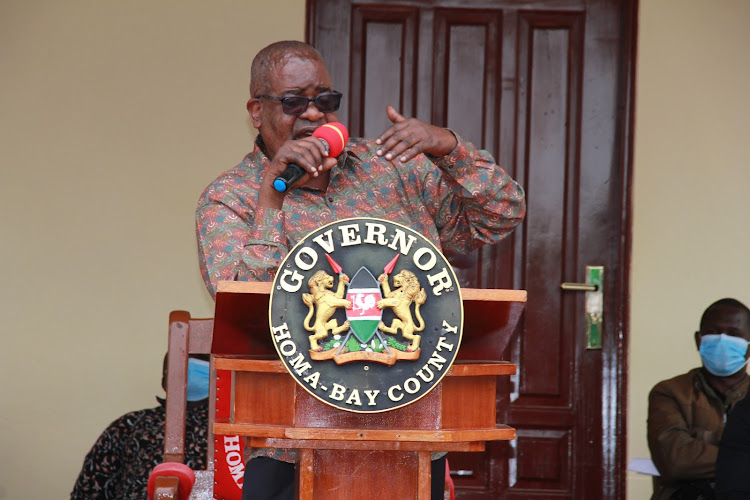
[(241, 320), (467, 294)]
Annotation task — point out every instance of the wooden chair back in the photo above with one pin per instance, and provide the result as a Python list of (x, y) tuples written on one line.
[(187, 336)]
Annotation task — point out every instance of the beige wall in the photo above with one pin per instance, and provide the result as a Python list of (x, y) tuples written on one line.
[(691, 237), (115, 115), (113, 118)]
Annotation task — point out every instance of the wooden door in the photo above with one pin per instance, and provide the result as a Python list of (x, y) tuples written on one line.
[(546, 86)]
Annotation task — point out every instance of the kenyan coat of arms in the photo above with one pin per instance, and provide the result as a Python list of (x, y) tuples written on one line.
[(379, 340)]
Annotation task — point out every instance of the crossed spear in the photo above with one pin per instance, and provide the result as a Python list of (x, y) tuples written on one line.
[(336, 268)]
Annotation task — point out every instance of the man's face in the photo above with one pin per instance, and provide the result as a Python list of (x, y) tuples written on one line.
[(294, 76), (725, 319)]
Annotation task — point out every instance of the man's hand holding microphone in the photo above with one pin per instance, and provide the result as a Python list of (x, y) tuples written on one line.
[(305, 159)]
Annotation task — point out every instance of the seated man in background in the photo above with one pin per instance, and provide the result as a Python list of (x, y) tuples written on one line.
[(120, 462), (686, 414)]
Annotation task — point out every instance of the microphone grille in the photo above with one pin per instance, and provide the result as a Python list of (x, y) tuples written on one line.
[(335, 134)]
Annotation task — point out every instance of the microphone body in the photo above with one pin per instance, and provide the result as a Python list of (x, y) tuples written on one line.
[(334, 137), (292, 173)]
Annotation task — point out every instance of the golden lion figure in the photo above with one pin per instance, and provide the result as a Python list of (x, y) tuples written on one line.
[(407, 290), (326, 302)]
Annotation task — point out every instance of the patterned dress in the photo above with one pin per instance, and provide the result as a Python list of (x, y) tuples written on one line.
[(119, 463)]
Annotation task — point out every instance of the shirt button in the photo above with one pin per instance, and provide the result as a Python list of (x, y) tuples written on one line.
[(330, 199)]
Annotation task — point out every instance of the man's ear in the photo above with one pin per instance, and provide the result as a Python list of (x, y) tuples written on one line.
[(253, 109), (698, 340)]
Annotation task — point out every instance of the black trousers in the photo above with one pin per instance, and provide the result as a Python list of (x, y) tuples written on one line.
[(269, 479)]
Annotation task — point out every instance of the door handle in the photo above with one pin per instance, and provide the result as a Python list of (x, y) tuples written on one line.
[(579, 287), (594, 288)]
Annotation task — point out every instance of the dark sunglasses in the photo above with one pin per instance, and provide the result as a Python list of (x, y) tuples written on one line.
[(297, 104)]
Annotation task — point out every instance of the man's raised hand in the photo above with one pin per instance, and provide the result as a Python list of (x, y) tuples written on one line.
[(408, 137)]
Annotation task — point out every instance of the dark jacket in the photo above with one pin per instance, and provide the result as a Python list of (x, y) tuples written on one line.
[(733, 461)]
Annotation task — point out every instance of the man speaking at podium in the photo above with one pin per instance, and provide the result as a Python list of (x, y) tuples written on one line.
[(425, 177)]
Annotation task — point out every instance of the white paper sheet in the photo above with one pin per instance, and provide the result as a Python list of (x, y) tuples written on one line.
[(643, 466)]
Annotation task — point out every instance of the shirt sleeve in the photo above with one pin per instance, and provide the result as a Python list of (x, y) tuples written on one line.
[(475, 201), (235, 244), (679, 452)]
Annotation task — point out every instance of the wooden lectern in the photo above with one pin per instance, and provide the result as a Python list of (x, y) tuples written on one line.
[(354, 455)]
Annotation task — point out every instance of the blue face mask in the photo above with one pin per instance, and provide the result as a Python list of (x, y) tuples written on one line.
[(197, 379), (723, 354)]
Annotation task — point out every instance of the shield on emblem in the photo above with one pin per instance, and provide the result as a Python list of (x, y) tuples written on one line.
[(364, 316)]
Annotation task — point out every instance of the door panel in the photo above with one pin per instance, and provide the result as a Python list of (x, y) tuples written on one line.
[(546, 86)]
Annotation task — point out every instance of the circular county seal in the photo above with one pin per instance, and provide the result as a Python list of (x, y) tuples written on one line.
[(366, 315)]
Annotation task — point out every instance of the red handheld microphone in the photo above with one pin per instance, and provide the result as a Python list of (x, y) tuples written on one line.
[(334, 136)]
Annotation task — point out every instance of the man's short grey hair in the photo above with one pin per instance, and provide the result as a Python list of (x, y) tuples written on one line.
[(273, 55)]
